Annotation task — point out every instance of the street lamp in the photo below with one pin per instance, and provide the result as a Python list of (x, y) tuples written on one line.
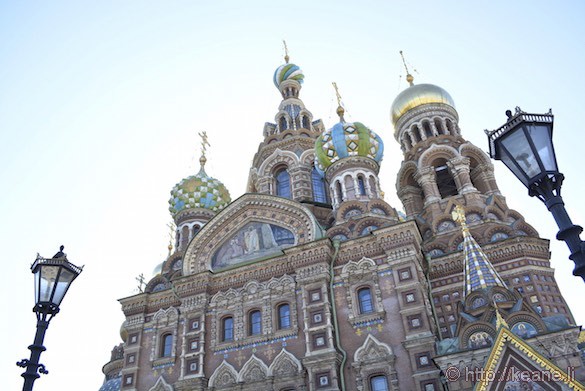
[(524, 144), (53, 277)]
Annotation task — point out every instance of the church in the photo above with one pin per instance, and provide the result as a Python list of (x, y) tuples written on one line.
[(312, 281)]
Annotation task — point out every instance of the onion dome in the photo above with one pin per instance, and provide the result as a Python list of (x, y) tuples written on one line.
[(288, 72), (199, 191), (347, 139), (418, 95)]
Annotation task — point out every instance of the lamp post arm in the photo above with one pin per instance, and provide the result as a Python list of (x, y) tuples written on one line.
[(547, 189), (32, 364)]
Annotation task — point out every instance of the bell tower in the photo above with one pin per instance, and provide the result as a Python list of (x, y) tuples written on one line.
[(441, 170), (283, 165)]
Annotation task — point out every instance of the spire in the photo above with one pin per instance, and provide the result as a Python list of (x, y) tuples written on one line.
[(478, 270), (340, 109), (409, 77), (204, 145)]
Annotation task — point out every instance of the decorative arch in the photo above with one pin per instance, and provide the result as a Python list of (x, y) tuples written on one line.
[(225, 375), (260, 209), (473, 329), (435, 152), (364, 265), (285, 365), (161, 385), (278, 157), (254, 370), (372, 349)]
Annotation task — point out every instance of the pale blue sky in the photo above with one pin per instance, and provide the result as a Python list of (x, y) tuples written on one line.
[(101, 103)]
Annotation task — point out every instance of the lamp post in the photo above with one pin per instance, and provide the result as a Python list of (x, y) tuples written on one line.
[(53, 277), (524, 144)]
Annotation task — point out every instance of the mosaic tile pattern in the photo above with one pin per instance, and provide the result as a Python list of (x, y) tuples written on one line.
[(346, 139), (479, 271), (112, 384), (199, 191)]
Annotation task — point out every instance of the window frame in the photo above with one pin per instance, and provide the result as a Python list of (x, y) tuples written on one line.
[(361, 302), (378, 376), (280, 184), (280, 324), (166, 345), (252, 323), (224, 329)]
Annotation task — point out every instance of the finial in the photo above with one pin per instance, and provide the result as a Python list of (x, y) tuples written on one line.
[(204, 145), (141, 282), (340, 109), (499, 319), (409, 77), (286, 57), (172, 230), (60, 253), (458, 214)]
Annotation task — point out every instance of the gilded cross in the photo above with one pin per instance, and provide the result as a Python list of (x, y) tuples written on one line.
[(286, 57), (204, 142), (172, 231), (240, 357), (141, 282), (269, 352)]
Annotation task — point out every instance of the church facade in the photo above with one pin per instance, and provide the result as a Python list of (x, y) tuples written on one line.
[(311, 281)]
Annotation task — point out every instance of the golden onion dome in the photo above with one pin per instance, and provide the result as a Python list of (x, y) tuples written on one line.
[(417, 95)]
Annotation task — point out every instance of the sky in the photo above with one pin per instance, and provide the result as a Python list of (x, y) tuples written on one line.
[(101, 104)]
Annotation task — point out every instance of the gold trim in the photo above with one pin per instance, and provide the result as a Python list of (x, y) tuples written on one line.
[(506, 336)]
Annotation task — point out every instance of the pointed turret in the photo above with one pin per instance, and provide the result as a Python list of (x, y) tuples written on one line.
[(479, 273)]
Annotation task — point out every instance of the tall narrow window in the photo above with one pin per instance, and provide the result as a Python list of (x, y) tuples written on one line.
[(365, 301), (255, 323), (319, 192), (378, 383), (283, 183), (166, 346), (361, 185), (283, 316), (282, 123), (227, 329), (339, 192)]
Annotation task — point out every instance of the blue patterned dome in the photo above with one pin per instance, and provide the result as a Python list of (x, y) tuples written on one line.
[(199, 191), (113, 384), (287, 72), (346, 139)]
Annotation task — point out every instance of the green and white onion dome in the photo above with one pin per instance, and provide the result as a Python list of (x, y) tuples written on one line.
[(199, 191), (347, 139), (288, 72)]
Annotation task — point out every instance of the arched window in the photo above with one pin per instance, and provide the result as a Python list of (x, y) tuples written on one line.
[(445, 181), (284, 316), (255, 322), (365, 301), (378, 383), (306, 123), (339, 192), (427, 129), (166, 346), (283, 183), (415, 134), (439, 126), (319, 192), (227, 328), (361, 185), (184, 236), (282, 124)]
